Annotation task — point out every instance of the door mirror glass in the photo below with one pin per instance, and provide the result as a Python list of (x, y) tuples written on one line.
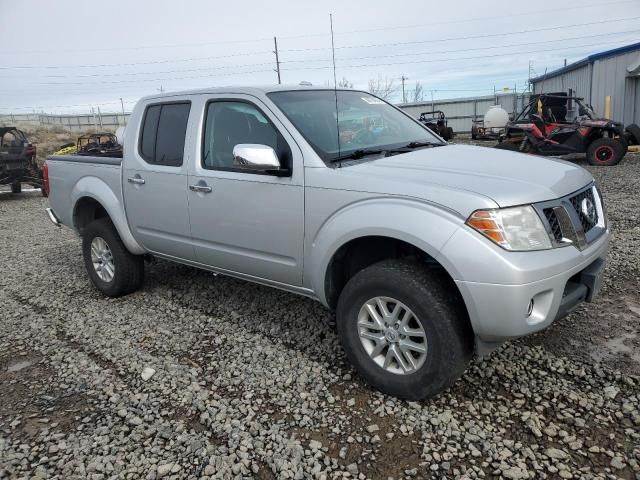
[(252, 156)]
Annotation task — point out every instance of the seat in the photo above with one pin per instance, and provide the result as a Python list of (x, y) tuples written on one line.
[(230, 128), (538, 122)]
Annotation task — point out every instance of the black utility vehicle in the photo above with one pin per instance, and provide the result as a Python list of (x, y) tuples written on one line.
[(17, 160)]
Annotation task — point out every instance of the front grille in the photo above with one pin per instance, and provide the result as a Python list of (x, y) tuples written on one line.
[(584, 204), (573, 220), (553, 223)]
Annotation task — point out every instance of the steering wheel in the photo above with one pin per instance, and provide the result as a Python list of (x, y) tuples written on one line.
[(363, 136)]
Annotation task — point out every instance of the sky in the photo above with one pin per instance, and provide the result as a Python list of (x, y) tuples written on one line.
[(74, 55)]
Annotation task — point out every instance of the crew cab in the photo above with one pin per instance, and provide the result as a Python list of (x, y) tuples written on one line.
[(427, 252)]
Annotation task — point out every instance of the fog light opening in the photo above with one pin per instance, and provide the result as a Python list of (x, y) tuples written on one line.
[(530, 308)]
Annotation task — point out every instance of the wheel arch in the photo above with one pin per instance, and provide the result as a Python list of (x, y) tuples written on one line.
[(361, 252), (360, 235), (92, 198)]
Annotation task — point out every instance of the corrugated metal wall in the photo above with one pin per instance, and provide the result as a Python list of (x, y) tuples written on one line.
[(594, 82), (461, 111), (578, 80), (610, 78)]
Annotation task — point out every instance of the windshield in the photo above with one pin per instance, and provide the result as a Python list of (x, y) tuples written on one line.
[(363, 122)]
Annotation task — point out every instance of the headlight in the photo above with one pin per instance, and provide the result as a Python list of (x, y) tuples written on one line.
[(515, 228)]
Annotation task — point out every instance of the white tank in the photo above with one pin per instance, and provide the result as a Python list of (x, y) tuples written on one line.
[(120, 135), (496, 118)]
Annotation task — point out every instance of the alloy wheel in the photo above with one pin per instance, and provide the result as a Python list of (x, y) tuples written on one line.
[(102, 259), (392, 335)]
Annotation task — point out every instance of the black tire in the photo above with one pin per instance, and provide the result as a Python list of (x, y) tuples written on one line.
[(16, 187), (128, 268), (438, 308), (473, 136), (514, 147), (605, 151), (634, 131)]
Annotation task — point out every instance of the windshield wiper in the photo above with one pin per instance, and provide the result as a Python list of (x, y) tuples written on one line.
[(413, 145), (356, 154)]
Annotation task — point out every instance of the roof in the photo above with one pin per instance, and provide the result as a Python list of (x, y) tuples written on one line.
[(257, 90), (588, 60)]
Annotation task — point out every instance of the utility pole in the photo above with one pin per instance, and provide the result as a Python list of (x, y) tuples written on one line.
[(161, 89), (404, 97), (277, 69), (122, 104)]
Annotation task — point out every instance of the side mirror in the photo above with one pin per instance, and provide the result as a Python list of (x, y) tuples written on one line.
[(255, 157)]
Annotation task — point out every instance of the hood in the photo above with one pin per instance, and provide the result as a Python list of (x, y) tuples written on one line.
[(507, 178)]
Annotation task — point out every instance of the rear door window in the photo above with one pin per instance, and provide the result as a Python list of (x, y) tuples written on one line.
[(163, 133)]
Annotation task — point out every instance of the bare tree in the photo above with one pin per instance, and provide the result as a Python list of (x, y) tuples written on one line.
[(382, 87), (344, 83), (417, 94)]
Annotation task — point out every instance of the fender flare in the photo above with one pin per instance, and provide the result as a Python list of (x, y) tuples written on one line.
[(423, 225), (98, 190)]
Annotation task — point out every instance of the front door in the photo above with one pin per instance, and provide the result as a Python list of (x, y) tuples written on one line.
[(155, 181), (244, 222)]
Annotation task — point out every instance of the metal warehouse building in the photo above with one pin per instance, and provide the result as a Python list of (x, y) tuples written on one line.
[(461, 111), (609, 81)]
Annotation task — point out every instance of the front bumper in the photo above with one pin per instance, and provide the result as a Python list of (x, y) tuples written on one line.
[(502, 311)]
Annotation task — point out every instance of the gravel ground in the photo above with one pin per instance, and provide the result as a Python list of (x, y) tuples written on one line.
[(202, 376)]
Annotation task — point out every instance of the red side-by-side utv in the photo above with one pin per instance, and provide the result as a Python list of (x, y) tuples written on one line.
[(559, 124)]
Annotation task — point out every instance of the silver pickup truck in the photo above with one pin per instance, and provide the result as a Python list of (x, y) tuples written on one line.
[(427, 252)]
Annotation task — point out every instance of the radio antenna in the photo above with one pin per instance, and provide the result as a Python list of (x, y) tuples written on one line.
[(335, 82)]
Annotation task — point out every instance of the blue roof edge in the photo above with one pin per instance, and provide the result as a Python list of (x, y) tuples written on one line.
[(585, 61)]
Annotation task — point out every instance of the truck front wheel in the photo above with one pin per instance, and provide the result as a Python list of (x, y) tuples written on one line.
[(403, 329), (111, 267)]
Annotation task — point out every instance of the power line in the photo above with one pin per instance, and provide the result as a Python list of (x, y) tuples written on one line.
[(491, 47), (350, 32), (154, 62), (470, 37), (142, 47), (263, 52), (440, 52), (153, 79), (365, 65), (278, 61), (203, 69), (475, 19), (503, 54)]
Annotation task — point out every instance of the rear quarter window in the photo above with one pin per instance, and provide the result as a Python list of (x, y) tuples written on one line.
[(164, 128)]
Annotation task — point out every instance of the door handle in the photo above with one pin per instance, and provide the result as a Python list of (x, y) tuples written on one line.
[(200, 188), (136, 180)]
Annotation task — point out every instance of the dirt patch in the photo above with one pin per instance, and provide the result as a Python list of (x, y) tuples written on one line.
[(29, 401)]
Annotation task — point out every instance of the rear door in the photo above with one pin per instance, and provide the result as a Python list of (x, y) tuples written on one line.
[(155, 180), (244, 222)]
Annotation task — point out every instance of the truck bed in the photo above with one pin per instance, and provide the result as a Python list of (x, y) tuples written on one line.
[(69, 173)]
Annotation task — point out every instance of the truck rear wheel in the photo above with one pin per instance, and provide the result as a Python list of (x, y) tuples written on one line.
[(16, 187), (404, 331), (605, 151), (111, 267)]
